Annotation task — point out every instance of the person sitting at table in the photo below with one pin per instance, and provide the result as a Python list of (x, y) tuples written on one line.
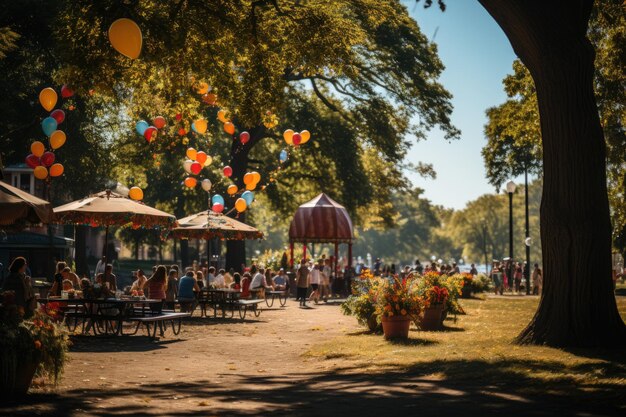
[(209, 281), (67, 285), (87, 289), (245, 285), (258, 285), (69, 275), (171, 294), (109, 278), (140, 281), (20, 284), (228, 277), (236, 284), (57, 285), (157, 284), (280, 280), (269, 283), (187, 289), (220, 282)]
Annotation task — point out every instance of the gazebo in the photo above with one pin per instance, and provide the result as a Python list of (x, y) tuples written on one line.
[(322, 220)]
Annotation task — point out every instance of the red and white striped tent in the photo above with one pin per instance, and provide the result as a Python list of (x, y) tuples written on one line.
[(322, 220)]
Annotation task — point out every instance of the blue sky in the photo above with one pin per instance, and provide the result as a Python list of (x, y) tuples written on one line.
[(477, 56)]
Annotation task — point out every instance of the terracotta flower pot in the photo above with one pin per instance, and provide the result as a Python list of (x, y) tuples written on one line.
[(431, 320), (18, 384), (396, 327)]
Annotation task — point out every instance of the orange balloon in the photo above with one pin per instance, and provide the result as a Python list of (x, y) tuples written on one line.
[(192, 154), (125, 36), (57, 139), (248, 178), (232, 189), (201, 125), (136, 193), (37, 148), (229, 128), (56, 170), (210, 99), (240, 205), (40, 172), (251, 186), (305, 135), (48, 98), (221, 116), (201, 157), (203, 88), (256, 177), (190, 182)]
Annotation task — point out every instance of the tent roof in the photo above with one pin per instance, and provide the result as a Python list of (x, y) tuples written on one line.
[(321, 220), (17, 207), (209, 225)]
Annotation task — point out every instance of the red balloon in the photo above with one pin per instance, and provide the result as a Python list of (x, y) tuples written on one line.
[(244, 137), (179, 117), (150, 134), (58, 115), (196, 167), (33, 161), (66, 92), (228, 171), (181, 132), (218, 208), (47, 159), (159, 122), (296, 139)]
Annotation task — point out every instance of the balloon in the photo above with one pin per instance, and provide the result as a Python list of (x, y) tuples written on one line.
[(187, 166), (248, 196), (283, 156), (47, 159), (218, 208), (37, 148), (191, 153), (159, 122), (221, 116), (244, 137), (201, 157), (232, 190), (228, 171), (33, 161), (296, 139), (66, 92), (57, 139), (217, 199), (288, 135), (203, 88), (248, 178), (251, 186), (150, 133), (240, 205), (141, 127), (48, 125), (135, 193), (229, 128), (58, 115), (196, 167), (182, 132), (48, 99), (305, 135), (40, 172), (256, 177), (206, 184), (56, 170), (125, 36), (191, 182), (209, 99), (208, 161), (200, 125)]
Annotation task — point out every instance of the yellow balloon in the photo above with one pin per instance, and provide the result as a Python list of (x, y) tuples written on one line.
[(248, 178), (251, 186), (126, 38), (56, 170), (41, 172), (48, 98), (136, 193), (208, 161), (256, 177), (232, 189), (229, 128), (221, 116), (192, 153), (288, 136), (240, 205), (190, 182), (201, 126), (57, 139), (203, 88), (37, 148), (306, 135)]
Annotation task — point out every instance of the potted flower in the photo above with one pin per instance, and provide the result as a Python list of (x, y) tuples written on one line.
[(466, 290), (362, 303), (397, 306), (435, 299), (28, 348)]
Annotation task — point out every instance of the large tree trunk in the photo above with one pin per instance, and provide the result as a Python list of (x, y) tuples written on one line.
[(577, 307)]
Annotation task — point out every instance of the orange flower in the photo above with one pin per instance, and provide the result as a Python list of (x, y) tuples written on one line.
[(403, 312), (37, 344)]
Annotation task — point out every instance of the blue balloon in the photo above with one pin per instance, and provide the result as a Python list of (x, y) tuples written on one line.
[(49, 125), (217, 199), (193, 127), (141, 126), (248, 196), (283, 156)]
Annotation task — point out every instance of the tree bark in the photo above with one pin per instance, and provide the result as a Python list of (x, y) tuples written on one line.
[(577, 307)]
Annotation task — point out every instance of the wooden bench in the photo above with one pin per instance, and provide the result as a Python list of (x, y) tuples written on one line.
[(160, 320)]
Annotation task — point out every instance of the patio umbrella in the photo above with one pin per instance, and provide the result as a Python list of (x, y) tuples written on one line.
[(209, 225), (18, 207), (107, 208)]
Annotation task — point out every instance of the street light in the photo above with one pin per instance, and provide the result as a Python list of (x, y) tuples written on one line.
[(510, 189)]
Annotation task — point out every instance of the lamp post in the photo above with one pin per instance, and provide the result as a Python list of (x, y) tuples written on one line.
[(527, 240), (510, 189)]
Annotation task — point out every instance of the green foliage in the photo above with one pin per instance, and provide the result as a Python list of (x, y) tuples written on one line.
[(481, 283)]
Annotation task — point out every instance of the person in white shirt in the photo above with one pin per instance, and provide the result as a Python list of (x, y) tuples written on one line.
[(258, 283), (219, 279), (315, 279), (209, 280), (325, 279), (100, 266)]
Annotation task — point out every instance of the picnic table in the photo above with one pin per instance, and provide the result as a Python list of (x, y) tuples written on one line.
[(282, 296), (227, 299)]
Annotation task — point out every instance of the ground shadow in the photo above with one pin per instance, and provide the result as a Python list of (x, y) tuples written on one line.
[(438, 388), (119, 343)]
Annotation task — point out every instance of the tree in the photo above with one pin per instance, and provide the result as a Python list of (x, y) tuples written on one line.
[(367, 64)]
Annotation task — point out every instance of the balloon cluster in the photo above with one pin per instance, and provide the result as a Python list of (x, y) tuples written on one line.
[(296, 139), (42, 161), (223, 116), (150, 132), (196, 160)]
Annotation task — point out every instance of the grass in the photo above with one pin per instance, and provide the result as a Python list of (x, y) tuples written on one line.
[(479, 346)]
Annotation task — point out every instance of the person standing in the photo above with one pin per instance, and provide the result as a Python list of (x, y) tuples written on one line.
[(517, 277), (537, 280), (57, 285), (302, 282), (100, 266), (325, 278), (18, 282), (315, 279), (496, 277), (473, 270), (419, 268), (171, 294)]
